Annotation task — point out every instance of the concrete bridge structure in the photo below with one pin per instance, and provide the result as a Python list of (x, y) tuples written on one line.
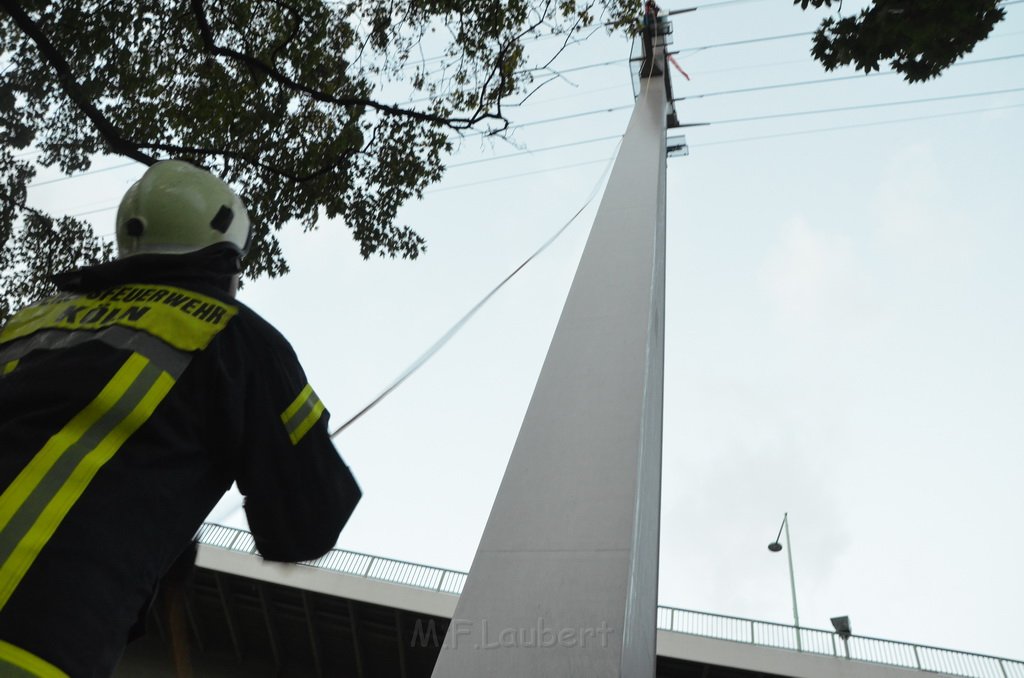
[(351, 614)]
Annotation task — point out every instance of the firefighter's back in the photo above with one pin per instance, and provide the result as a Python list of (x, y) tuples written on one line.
[(128, 405), (111, 455)]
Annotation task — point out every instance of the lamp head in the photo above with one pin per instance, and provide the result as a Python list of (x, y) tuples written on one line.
[(775, 547), (842, 627)]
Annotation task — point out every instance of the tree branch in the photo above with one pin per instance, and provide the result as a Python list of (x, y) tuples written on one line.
[(295, 28), (111, 134), (206, 34), (70, 86)]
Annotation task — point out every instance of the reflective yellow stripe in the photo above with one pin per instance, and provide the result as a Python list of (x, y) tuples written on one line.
[(186, 320), (9, 367), (296, 404), (307, 423), (300, 416), (31, 475), (16, 662), (34, 506)]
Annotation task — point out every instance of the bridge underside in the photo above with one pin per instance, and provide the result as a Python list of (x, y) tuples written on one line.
[(238, 626)]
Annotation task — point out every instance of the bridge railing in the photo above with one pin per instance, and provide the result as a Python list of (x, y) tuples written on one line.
[(819, 641), (347, 562), (722, 627)]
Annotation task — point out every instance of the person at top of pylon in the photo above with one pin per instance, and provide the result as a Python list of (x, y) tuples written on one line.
[(129, 403)]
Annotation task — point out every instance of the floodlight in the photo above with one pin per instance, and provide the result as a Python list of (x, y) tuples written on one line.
[(842, 627)]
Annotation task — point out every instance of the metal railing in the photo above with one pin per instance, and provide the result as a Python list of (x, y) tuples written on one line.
[(829, 643), (722, 627), (347, 562)]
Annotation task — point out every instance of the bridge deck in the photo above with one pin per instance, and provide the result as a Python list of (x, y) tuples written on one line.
[(354, 614)]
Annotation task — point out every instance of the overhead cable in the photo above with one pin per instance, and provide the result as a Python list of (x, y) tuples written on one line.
[(854, 126), (772, 116), (607, 138), (95, 211), (746, 90), (837, 79), (692, 50), (516, 176), (36, 184), (532, 151), (440, 343), (749, 41), (571, 116), (698, 145), (712, 5)]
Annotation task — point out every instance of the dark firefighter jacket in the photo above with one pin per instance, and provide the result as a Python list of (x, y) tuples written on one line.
[(128, 405)]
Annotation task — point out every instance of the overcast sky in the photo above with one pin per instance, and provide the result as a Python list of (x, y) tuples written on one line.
[(843, 338)]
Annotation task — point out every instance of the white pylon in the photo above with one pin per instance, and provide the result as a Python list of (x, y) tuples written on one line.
[(564, 581)]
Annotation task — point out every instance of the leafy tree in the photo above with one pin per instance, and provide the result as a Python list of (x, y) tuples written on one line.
[(922, 38), (309, 108)]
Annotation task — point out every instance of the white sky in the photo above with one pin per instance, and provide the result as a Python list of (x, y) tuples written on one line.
[(843, 336)]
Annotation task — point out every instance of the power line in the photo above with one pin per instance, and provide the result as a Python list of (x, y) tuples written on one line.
[(750, 89), (745, 67), (750, 41), (435, 190), (754, 138), (865, 106), (751, 119), (516, 176), (535, 150), (574, 69), (699, 145), (691, 50), (694, 50), (694, 96), (838, 79), (574, 95), (95, 211), (573, 115), (713, 5), (35, 184), (734, 43), (608, 138), (854, 126), (458, 164)]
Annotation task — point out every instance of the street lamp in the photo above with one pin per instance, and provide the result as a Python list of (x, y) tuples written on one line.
[(775, 547), (843, 628)]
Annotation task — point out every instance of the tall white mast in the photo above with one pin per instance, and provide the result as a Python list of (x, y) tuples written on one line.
[(565, 579)]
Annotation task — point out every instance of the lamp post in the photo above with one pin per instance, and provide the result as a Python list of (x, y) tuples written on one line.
[(844, 630), (775, 547)]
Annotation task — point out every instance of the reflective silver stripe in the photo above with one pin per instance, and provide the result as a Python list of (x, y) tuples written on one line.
[(293, 424), (36, 502), (302, 414), (161, 354)]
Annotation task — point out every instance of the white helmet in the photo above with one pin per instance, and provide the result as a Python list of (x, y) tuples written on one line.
[(176, 208)]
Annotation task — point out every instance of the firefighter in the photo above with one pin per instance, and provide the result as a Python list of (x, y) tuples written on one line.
[(129, 403)]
